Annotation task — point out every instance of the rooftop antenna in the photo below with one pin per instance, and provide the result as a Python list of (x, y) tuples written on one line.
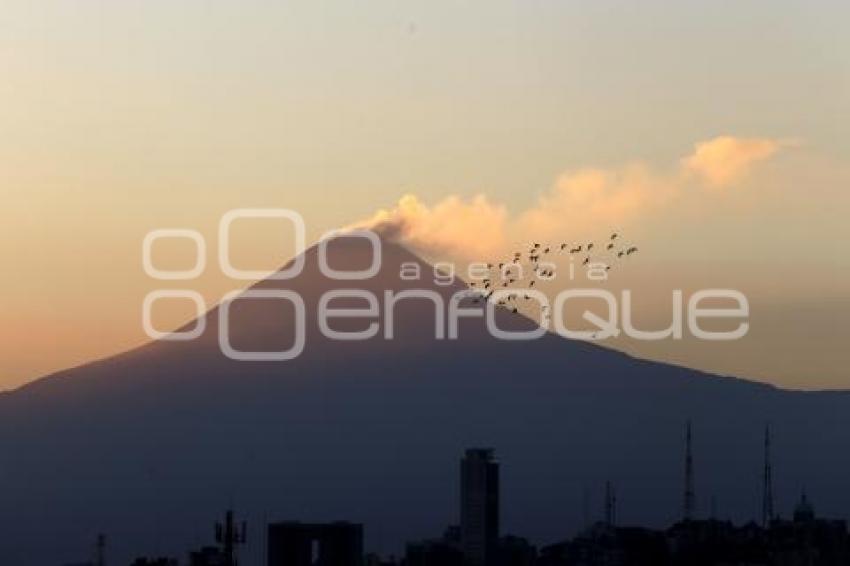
[(230, 535), (585, 506), (689, 503), (610, 504), (100, 550), (767, 487)]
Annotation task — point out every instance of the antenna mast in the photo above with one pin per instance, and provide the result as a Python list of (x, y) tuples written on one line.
[(100, 550), (767, 493), (610, 505), (689, 503), (229, 536)]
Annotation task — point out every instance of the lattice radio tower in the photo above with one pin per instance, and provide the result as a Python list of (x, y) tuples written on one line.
[(689, 500), (230, 535), (767, 484)]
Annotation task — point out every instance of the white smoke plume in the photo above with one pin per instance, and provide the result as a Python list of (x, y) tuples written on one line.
[(580, 202)]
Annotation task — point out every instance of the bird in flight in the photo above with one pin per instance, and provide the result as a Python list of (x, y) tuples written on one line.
[(508, 276)]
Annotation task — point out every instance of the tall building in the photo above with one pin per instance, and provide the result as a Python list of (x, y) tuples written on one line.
[(479, 506)]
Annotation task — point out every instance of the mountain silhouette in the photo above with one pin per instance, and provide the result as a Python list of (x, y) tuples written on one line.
[(151, 445)]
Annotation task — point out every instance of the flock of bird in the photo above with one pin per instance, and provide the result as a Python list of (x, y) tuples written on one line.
[(488, 286)]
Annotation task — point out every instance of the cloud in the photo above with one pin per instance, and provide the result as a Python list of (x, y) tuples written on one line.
[(580, 204), (466, 228), (725, 160)]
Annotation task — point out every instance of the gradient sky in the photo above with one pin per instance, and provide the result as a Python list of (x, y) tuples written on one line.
[(121, 117)]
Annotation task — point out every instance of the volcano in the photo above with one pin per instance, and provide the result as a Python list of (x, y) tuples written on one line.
[(150, 446)]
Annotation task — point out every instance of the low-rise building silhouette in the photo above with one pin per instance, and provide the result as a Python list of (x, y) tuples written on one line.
[(804, 540), (208, 556), (323, 544), (443, 551), (161, 561)]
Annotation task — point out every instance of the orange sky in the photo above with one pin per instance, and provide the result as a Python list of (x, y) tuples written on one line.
[(712, 139)]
